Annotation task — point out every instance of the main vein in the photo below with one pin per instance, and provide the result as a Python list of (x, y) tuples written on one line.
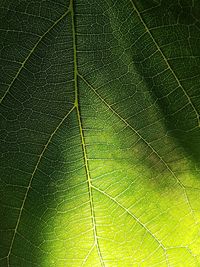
[(77, 106)]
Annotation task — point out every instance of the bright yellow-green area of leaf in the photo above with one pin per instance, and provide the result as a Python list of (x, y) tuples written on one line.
[(100, 133)]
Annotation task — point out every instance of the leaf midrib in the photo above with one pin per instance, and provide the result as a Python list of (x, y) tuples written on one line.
[(83, 143)]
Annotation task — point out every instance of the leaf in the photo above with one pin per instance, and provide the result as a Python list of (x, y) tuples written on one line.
[(100, 143)]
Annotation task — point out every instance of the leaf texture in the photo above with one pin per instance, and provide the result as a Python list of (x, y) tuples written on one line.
[(100, 133)]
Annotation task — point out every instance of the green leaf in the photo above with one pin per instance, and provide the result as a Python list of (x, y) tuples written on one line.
[(100, 133)]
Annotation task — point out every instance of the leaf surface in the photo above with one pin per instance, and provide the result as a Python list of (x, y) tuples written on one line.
[(100, 133)]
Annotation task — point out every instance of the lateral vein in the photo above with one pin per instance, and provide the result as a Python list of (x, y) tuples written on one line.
[(30, 53), (166, 62), (30, 183)]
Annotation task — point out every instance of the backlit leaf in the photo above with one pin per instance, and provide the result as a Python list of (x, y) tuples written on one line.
[(100, 133)]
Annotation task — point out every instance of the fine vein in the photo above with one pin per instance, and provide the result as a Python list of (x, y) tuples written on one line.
[(143, 225)]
